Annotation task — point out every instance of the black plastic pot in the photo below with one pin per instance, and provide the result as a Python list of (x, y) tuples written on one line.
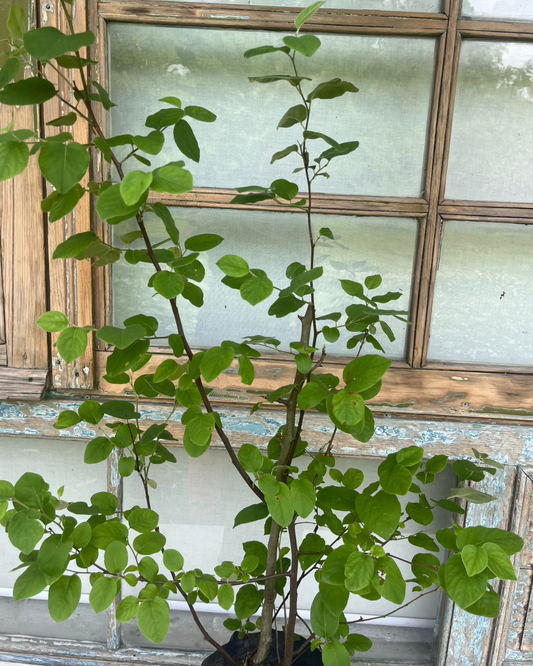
[(241, 649)]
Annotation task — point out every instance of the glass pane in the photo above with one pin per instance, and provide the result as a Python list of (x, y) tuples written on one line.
[(491, 153), (362, 246), (389, 116), (383, 5), (191, 518), (59, 462), (482, 304), (502, 9)]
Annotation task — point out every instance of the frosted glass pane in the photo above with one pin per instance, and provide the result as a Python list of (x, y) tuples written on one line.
[(383, 5), (491, 152), (200, 524), (389, 116), (483, 298), (271, 241), (502, 9), (60, 463)]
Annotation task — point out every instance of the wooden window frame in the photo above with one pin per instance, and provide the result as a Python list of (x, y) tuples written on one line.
[(414, 387)]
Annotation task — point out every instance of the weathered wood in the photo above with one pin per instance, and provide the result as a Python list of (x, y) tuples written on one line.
[(446, 80), (486, 209), (272, 18), (70, 280), (335, 204), (502, 29), (519, 604), (476, 395), (22, 383), (509, 444), (470, 635), (23, 256)]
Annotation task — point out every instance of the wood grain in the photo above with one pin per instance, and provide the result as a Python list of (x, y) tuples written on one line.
[(272, 18), (22, 383), (452, 394), (70, 280), (23, 256)]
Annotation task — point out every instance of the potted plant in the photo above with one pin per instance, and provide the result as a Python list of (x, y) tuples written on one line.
[(359, 523)]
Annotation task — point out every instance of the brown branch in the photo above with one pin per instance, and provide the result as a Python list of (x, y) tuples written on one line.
[(293, 598), (381, 617)]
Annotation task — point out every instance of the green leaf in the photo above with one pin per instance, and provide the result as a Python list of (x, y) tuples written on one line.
[(215, 361), (172, 179), (511, 543), (75, 245), (32, 490), (165, 216), (246, 370), (324, 623), (248, 600), (498, 560), (121, 337), (296, 114), (353, 478), (102, 594), (143, 520), (307, 45), (284, 189), (63, 164), (373, 281), (474, 559), (273, 78), (487, 606), (164, 118), (436, 464), (7, 490), (168, 284), (53, 321), (49, 43), (203, 242), (330, 334), (27, 92), (359, 643), (17, 23), (186, 141), (359, 571), (284, 306), (153, 617), (395, 479), (127, 609), (149, 543), (67, 419), (262, 50), (393, 587), (14, 156), (312, 549), (134, 185), (54, 555), (64, 597), (81, 535), (303, 497), (472, 495), (280, 506), (422, 540), (97, 450), (173, 560), (126, 466), (72, 343), (151, 144), (199, 113), (25, 532), (105, 533), (30, 583), (234, 266), (250, 514), (250, 458), (111, 205), (255, 289), (365, 371), (419, 513), (335, 654), (63, 204), (226, 596), (380, 513), (283, 153), (116, 557), (307, 13), (331, 89), (465, 590), (311, 394), (347, 408)]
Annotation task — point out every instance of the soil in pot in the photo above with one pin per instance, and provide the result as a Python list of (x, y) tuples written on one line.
[(241, 649)]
